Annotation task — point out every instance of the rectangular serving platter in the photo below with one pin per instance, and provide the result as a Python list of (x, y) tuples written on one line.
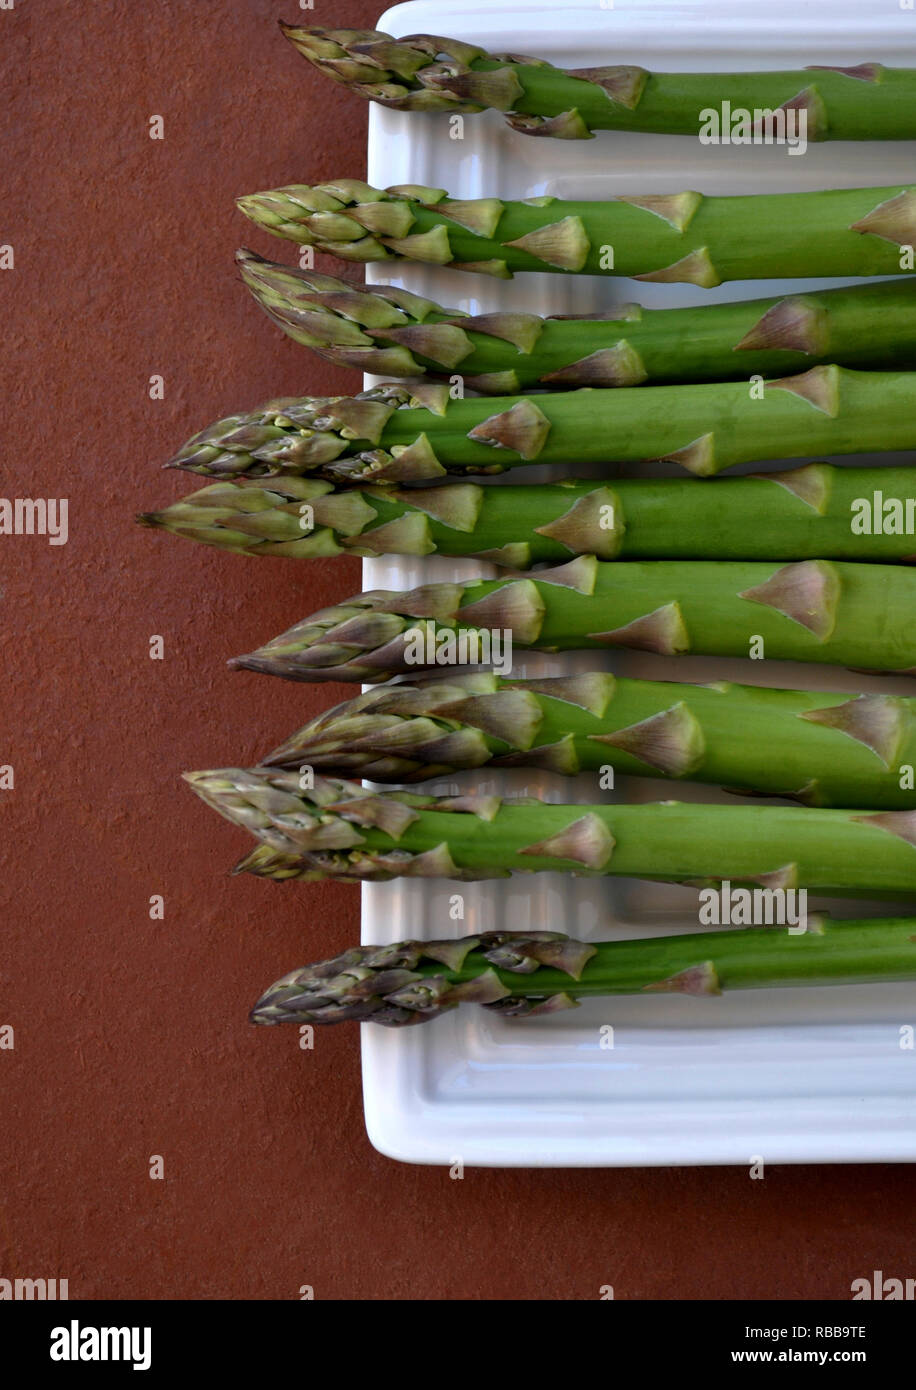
[(801, 1075)]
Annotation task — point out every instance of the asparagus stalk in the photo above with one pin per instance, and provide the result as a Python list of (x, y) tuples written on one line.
[(681, 237), (811, 610), (390, 332), (802, 513), (824, 749), (525, 974), (341, 830), (425, 72), (414, 432)]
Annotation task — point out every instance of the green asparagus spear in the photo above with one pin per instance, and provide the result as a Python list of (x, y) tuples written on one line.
[(414, 432), (390, 332), (813, 512), (342, 830), (672, 237), (525, 974), (824, 749), (425, 72), (812, 610)]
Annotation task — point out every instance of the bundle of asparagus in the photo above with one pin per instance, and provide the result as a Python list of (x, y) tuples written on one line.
[(813, 512), (668, 237), (831, 749), (530, 974), (425, 72), (414, 432), (341, 830), (752, 566), (812, 610), (391, 332)]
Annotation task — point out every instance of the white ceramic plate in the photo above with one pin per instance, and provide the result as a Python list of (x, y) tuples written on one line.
[(798, 1075)]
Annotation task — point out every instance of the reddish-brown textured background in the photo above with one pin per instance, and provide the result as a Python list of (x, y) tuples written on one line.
[(131, 1037)]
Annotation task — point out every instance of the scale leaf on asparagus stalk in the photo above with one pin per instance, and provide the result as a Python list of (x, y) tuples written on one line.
[(428, 72), (685, 238), (824, 749), (810, 610), (812, 512), (521, 974), (344, 831), (390, 332), (415, 433)]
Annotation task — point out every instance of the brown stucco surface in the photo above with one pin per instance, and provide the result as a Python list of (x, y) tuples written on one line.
[(130, 1033)]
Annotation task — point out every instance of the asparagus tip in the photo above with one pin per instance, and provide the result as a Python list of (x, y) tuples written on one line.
[(245, 256), (253, 206)]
